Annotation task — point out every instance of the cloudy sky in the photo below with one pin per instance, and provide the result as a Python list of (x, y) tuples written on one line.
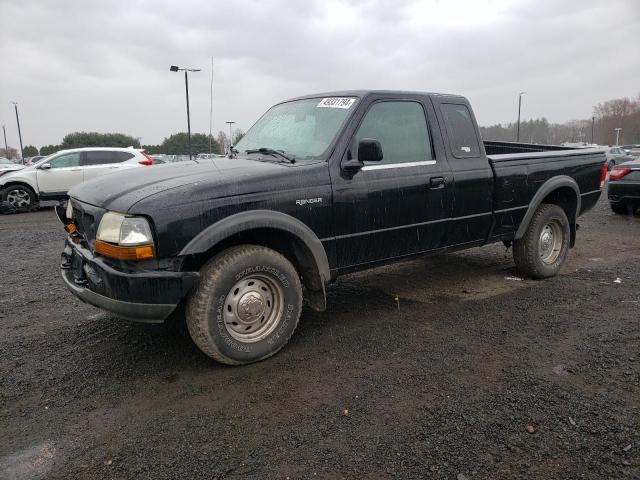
[(104, 65)]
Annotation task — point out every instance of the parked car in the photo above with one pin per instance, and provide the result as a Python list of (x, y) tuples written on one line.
[(159, 159), (53, 176), (624, 187), (33, 160), (634, 151), (6, 163), (208, 156), (320, 186), (616, 155), (7, 166)]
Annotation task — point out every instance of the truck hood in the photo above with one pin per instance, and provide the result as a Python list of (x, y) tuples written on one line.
[(166, 185)]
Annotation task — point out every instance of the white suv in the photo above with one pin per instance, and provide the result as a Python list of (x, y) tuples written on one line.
[(53, 176)]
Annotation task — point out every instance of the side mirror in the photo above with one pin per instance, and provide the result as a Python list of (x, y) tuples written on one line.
[(45, 166), (369, 150)]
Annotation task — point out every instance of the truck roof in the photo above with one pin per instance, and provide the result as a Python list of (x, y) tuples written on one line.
[(365, 93)]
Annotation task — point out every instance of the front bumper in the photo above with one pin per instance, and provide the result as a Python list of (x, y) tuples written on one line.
[(140, 295)]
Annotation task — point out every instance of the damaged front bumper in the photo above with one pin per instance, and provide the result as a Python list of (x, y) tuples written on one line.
[(140, 295)]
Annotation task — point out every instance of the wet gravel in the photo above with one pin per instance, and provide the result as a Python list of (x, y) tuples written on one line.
[(450, 367)]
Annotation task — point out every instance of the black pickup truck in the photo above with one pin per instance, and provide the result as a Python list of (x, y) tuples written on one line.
[(320, 186)]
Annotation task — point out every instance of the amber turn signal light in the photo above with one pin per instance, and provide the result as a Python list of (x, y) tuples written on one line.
[(70, 228), (140, 252)]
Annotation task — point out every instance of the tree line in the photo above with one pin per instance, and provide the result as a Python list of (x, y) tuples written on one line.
[(176, 144), (623, 113)]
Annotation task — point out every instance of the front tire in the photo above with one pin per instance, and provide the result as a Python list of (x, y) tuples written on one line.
[(544, 246), (246, 306), (21, 197)]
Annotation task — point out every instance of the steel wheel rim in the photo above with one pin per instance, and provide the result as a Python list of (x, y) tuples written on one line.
[(550, 242), (253, 308), (19, 198)]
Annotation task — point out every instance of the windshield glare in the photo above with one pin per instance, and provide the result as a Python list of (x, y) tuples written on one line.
[(302, 128)]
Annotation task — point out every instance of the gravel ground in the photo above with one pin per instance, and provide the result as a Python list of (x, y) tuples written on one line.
[(444, 367)]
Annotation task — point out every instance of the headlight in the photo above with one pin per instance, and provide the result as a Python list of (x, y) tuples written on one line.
[(123, 230), (69, 211), (124, 237)]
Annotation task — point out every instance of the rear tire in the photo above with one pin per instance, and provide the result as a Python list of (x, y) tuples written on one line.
[(246, 306), (619, 208), (544, 247), (20, 197)]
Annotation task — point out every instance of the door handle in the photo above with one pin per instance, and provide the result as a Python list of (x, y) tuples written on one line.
[(436, 182)]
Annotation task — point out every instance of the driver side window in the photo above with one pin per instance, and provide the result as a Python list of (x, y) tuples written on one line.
[(401, 129), (64, 161)]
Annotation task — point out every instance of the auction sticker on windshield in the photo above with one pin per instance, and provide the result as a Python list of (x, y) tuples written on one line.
[(336, 102)]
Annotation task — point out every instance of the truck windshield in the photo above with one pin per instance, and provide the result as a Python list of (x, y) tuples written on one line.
[(301, 129)]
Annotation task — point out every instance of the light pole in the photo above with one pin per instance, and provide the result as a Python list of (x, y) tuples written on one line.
[(15, 104), (519, 108), (617, 135), (230, 135), (211, 108), (6, 148), (175, 68), (593, 124)]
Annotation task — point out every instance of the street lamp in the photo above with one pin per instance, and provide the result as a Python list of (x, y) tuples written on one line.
[(175, 68), (15, 104), (6, 148), (519, 108), (617, 135), (230, 135)]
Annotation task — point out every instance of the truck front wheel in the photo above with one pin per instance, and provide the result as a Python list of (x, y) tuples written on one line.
[(246, 306), (544, 246)]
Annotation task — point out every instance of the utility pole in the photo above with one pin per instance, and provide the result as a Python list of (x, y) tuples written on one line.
[(593, 123), (186, 86), (211, 108), (519, 108), (617, 135), (175, 68), (15, 104), (6, 148), (230, 135)]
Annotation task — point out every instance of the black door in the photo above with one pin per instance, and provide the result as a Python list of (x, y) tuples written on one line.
[(472, 189), (395, 207)]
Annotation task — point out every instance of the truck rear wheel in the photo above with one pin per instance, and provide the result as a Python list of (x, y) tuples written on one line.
[(544, 247), (246, 306)]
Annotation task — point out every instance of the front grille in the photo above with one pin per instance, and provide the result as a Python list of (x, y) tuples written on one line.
[(87, 218), (84, 221)]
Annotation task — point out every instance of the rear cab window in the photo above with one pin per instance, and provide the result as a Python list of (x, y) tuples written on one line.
[(461, 131)]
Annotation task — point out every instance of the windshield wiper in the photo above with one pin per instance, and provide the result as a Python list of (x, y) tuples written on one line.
[(271, 151)]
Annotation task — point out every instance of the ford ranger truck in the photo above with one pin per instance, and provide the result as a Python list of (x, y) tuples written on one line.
[(320, 186)]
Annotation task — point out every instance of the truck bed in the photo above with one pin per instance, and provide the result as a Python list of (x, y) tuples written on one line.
[(520, 169), (503, 148)]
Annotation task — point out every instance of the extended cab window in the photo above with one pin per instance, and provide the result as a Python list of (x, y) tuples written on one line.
[(401, 129), (67, 160), (462, 134)]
